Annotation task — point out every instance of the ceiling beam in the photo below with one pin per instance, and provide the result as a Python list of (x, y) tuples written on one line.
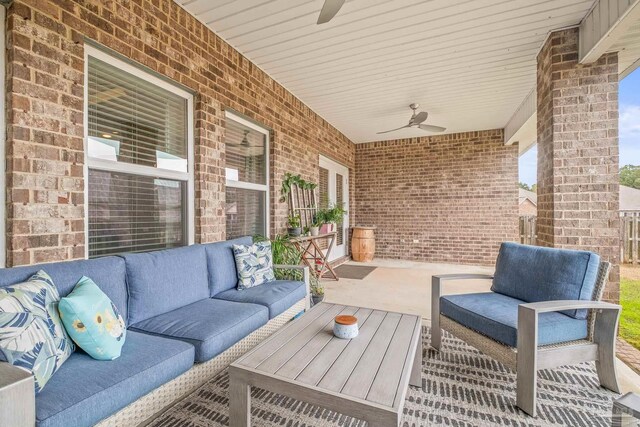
[(603, 26), (521, 127)]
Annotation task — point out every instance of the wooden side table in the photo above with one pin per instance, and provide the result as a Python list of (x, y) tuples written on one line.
[(17, 397), (312, 254), (626, 411)]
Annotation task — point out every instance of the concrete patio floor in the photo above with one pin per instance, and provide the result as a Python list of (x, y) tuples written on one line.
[(405, 286)]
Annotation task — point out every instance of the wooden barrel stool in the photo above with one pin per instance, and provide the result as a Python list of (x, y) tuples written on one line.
[(363, 244)]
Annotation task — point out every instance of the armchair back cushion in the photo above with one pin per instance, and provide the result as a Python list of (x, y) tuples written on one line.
[(223, 274), (162, 281), (534, 274), (107, 272)]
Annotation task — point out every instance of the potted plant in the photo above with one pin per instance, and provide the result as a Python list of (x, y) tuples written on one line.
[(314, 228), (332, 216), (294, 225), (317, 291)]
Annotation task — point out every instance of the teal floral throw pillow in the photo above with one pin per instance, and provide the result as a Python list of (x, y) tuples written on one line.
[(254, 264), (31, 334), (93, 321)]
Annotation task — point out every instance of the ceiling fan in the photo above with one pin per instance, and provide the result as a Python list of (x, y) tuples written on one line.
[(329, 10), (245, 141), (416, 120)]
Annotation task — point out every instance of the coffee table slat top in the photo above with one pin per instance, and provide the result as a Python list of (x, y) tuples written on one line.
[(372, 367)]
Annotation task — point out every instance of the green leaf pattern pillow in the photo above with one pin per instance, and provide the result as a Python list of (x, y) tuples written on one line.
[(31, 333), (254, 264)]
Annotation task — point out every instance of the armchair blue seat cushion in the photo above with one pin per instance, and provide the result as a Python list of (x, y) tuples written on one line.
[(534, 274), (210, 325), (162, 281), (496, 316), (221, 262), (107, 272), (85, 391), (277, 296)]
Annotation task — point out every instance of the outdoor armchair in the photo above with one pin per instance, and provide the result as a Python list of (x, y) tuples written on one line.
[(543, 311)]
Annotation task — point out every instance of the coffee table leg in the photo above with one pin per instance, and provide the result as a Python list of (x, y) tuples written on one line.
[(239, 403), (416, 371)]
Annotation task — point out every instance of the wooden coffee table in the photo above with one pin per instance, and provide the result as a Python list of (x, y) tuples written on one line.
[(366, 377)]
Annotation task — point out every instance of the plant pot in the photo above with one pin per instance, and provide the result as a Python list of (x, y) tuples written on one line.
[(325, 228), (294, 232), (314, 231), (316, 299)]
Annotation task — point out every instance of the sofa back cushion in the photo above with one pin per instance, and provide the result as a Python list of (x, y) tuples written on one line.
[(162, 281), (221, 262), (108, 273), (534, 273)]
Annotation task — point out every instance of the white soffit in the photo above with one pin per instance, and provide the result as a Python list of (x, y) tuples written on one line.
[(468, 63)]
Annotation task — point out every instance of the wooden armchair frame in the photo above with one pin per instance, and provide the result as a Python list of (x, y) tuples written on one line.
[(528, 357)]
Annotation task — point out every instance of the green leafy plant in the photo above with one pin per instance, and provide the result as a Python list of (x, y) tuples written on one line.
[(290, 180), (294, 221), (333, 214), (283, 252)]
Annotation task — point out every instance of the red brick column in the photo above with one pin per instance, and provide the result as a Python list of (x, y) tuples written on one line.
[(578, 152)]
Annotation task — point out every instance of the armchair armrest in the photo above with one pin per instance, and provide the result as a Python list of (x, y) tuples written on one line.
[(305, 279), (562, 305), (17, 396)]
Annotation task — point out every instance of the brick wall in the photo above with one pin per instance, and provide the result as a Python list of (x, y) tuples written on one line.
[(45, 107), (455, 194), (578, 152)]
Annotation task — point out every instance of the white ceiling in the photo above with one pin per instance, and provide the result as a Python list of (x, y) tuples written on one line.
[(469, 63)]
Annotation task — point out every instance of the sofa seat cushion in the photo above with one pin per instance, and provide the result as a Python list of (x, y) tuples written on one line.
[(162, 281), (211, 325), (85, 391), (534, 274), (496, 316), (278, 296), (221, 262)]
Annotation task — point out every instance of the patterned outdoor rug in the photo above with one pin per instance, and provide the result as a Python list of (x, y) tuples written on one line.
[(460, 387)]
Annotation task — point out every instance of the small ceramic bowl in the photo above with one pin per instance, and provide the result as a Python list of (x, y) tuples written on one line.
[(345, 327)]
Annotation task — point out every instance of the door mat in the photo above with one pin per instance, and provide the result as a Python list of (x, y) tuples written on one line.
[(357, 272)]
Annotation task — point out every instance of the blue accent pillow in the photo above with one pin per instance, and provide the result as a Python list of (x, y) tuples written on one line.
[(31, 334), (93, 321), (254, 264)]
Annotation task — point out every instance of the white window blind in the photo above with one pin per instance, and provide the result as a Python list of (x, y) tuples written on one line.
[(139, 151)]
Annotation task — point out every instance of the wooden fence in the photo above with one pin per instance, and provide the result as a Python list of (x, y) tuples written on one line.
[(528, 234), (629, 237)]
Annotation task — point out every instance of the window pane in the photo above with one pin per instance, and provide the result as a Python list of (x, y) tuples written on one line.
[(132, 213), (245, 212), (134, 121), (246, 153)]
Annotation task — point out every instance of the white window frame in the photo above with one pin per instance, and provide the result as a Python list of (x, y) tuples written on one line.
[(111, 166), (250, 185), (3, 133)]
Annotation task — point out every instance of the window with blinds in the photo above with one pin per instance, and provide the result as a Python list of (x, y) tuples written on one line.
[(247, 189), (138, 145)]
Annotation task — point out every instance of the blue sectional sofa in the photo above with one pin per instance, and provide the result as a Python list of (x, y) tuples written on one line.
[(181, 308)]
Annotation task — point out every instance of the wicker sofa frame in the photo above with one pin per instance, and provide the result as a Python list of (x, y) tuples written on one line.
[(528, 357)]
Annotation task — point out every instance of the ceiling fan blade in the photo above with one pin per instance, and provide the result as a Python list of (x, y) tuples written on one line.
[(329, 10), (431, 128), (419, 118), (392, 130)]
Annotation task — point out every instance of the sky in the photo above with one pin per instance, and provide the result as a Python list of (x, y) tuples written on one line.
[(629, 128)]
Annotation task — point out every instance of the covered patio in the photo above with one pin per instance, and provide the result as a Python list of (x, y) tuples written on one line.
[(147, 142)]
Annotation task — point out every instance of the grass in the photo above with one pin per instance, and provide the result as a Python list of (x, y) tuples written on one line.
[(630, 300)]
